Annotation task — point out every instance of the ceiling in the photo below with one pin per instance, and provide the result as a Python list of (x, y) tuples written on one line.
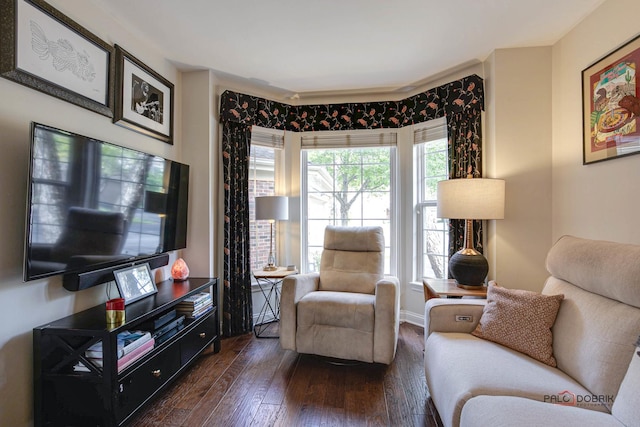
[(306, 48)]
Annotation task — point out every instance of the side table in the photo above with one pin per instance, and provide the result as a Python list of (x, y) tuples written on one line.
[(437, 288), (268, 282)]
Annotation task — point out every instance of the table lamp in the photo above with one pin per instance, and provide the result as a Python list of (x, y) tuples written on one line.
[(272, 208), (470, 199)]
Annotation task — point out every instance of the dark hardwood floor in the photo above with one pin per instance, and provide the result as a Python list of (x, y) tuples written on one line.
[(253, 382)]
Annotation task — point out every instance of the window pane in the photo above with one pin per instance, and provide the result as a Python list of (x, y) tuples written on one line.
[(433, 237), (261, 183), (321, 206), (347, 187), (315, 234), (431, 188), (313, 258), (433, 167)]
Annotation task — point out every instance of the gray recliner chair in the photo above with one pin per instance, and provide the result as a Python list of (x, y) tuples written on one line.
[(349, 309)]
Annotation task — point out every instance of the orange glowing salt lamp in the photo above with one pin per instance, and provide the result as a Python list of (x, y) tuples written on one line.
[(179, 270)]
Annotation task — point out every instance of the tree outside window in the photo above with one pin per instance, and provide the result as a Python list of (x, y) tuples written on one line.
[(347, 187)]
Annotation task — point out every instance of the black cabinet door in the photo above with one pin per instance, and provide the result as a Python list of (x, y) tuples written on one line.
[(144, 381), (198, 338)]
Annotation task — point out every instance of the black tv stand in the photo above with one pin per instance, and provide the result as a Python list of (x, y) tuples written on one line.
[(103, 396)]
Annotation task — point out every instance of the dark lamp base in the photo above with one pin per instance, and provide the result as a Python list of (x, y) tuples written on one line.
[(469, 270)]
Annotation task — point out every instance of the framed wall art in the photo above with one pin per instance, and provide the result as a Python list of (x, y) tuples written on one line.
[(45, 50), (144, 99), (611, 105), (135, 282)]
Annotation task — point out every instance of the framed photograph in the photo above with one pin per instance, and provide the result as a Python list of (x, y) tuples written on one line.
[(611, 105), (43, 49), (135, 282), (144, 99)]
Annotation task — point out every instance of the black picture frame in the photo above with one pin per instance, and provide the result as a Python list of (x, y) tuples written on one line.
[(144, 99), (135, 282), (80, 71), (611, 105)]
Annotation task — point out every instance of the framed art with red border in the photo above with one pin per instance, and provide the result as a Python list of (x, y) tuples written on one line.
[(611, 105)]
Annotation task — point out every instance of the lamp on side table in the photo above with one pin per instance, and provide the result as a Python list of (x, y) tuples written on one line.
[(470, 199), (272, 208)]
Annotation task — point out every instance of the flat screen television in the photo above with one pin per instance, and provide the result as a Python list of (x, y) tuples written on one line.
[(92, 204)]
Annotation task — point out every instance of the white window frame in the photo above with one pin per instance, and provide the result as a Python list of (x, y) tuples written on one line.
[(345, 140), (431, 131)]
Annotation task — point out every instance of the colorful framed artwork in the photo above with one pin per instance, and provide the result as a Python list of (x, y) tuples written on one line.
[(43, 49), (611, 105), (135, 282), (144, 99)]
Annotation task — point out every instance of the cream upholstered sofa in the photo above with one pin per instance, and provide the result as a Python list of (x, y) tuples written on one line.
[(349, 309), (476, 382)]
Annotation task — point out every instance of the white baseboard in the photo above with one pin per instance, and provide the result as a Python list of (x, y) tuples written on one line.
[(413, 318)]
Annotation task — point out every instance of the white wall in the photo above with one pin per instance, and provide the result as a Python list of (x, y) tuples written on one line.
[(518, 150), (200, 148), (27, 305), (601, 200)]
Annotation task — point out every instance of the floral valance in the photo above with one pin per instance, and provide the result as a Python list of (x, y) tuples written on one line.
[(459, 96)]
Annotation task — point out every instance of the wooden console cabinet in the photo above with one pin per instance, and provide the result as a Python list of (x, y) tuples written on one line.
[(104, 396)]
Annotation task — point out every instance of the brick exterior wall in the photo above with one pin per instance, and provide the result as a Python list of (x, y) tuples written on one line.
[(259, 230)]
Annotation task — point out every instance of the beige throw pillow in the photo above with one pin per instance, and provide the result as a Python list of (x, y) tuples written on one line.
[(520, 320)]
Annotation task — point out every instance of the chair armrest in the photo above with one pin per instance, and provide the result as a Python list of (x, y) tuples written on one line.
[(293, 289), (387, 319), (440, 315)]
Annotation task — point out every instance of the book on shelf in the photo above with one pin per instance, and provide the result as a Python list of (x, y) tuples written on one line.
[(164, 337), (195, 309), (199, 313), (80, 367), (169, 326), (127, 341), (194, 300), (124, 361), (136, 354), (160, 321)]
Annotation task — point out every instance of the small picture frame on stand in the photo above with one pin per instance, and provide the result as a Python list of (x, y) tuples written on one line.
[(135, 282)]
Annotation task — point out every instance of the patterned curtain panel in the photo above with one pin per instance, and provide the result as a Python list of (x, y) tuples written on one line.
[(237, 317), (461, 101), (464, 129)]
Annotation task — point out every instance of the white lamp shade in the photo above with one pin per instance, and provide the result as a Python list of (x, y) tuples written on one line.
[(272, 207), (471, 198)]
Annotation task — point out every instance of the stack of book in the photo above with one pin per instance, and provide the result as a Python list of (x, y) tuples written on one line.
[(196, 305), (165, 326), (132, 345)]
